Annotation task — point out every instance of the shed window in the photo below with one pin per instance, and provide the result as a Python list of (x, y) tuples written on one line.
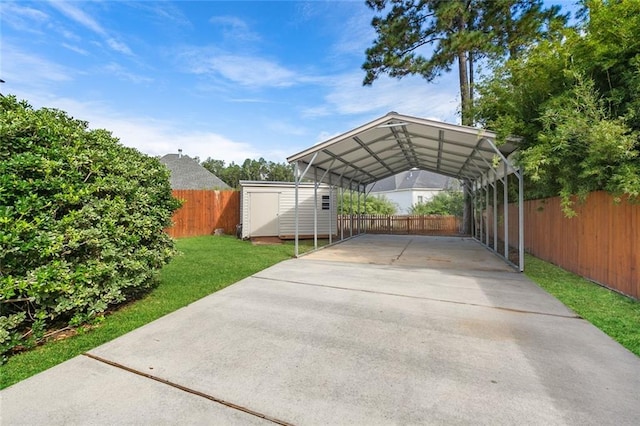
[(325, 202)]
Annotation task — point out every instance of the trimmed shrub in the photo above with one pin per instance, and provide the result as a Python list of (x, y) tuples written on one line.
[(81, 222), (444, 203)]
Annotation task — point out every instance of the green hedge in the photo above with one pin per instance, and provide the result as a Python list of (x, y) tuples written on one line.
[(81, 222)]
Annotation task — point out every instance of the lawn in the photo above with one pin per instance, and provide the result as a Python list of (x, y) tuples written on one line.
[(613, 313), (205, 265)]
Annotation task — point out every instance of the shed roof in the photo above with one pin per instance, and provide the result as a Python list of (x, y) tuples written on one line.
[(186, 173), (276, 184), (396, 143)]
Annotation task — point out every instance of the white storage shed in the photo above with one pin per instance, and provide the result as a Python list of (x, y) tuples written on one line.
[(267, 209)]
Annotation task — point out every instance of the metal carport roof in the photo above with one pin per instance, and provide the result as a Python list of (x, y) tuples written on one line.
[(396, 143)]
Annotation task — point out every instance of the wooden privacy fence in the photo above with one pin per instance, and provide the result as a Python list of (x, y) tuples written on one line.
[(602, 243), (412, 225), (204, 211)]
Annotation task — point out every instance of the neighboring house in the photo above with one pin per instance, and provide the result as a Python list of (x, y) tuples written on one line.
[(268, 209), (186, 173), (412, 187)]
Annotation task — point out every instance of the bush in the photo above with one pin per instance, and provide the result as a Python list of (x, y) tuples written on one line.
[(445, 203), (81, 222), (377, 204)]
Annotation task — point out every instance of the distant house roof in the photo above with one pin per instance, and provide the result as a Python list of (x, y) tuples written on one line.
[(412, 179), (186, 173)]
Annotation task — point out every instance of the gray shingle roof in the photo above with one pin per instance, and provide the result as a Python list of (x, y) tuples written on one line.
[(413, 179), (186, 173)]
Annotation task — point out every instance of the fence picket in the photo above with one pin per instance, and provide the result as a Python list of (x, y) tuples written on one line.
[(204, 211)]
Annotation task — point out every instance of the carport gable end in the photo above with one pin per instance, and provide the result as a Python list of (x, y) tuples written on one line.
[(267, 209)]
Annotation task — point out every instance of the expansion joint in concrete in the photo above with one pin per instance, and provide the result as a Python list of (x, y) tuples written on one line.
[(432, 299), (188, 390), (403, 250)]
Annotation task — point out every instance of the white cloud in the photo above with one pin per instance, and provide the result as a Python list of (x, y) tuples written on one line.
[(356, 34), (248, 71), (76, 49), (119, 46), (252, 71), (305, 11), (411, 96), (24, 68), (249, 100), (22, 18), (316, 111), (324, 136), (147, 134), (88, 22), (235, 29), (283, 127), (165, 11), (119, 71), (79, 16), (156, 138), (69, 35)]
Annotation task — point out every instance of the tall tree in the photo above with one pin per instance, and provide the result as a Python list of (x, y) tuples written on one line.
[(428, 37), (260, 169)]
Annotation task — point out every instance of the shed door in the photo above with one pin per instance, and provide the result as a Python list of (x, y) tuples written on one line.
[(264, 211)]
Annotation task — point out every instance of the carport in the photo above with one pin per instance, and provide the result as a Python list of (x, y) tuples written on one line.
[(396, 143)]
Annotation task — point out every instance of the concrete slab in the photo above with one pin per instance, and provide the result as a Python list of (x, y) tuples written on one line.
[(322, 342), (459, 253), (503, 289), (83, 391)]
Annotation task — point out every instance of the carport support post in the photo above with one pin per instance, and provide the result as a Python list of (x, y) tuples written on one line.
[(506, 210), (486, 209), (479, 207), (331, 207), (350, 209), (342, 209), (495, 210), (521, 219), (296, 170), (364, 209), (468, 192), (366, 222), (470, 187), (297, 179), (315, 208), (316, 185), (358, 222)]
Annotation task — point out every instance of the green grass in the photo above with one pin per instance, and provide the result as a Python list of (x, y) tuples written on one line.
[(205, 265), (613, 313)]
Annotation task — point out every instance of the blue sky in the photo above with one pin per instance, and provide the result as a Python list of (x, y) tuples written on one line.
[(227, 80)]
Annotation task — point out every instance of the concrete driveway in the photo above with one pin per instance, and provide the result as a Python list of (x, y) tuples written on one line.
[(376, 330)]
